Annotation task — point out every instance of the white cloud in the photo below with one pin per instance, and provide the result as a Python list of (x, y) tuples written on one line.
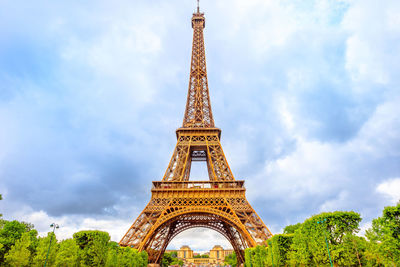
[(391, 189), (338, 203), (372, 44), (70, 224), (310, 170)]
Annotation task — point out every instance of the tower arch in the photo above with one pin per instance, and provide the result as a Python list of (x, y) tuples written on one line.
[(163, 233)]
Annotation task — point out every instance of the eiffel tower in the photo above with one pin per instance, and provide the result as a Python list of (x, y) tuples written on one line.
[(178, 204)]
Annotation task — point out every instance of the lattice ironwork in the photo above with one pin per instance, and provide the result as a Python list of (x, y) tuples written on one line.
[(178, 204), (198, 112)]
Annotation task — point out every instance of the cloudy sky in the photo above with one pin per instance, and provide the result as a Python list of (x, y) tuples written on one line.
[(307, 94)]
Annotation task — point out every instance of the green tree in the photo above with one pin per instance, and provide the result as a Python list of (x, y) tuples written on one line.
[(291, 228), (171, 259), (166, 260), (34, 242), (93, 247), (385, 237), (9, 234), (309, 244), (127, 257), (231, 259), (278, 249), (2, 223), (67, 254), (175, 260), (256, 257), (247, 257), (356, 247), (144, 259), (174, 254), (372, 254), (112, 254), (299, 251), (260, 256), (19, 254), (131, 257), (43, 248)]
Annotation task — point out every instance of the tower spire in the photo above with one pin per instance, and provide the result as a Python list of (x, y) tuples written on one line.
[(198, 6), (198, 112)]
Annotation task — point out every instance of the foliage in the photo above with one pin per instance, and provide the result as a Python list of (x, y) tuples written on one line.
[(112, 254), (130, 257), (177, 262), (20, 247), (67, 254), (231, 260), (170, 259), (19, 254), (145, 259), (356, 247), (256, 257), (290, 229), (278, 249), (43, 247), (126, 256), (247, 257), (2, 223), (93, 247), (385, 237), (9, 234), (166, 260), (311, 238)]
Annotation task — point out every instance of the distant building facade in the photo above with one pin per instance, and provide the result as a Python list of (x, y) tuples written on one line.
[(216, 256)]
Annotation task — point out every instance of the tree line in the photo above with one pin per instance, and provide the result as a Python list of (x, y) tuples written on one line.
[(321, 240), (307, 243), (20, 246)]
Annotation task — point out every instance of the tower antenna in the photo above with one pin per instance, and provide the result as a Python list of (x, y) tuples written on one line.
[(198, 6)]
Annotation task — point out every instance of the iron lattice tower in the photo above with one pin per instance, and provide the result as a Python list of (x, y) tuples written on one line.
[(178, 204)]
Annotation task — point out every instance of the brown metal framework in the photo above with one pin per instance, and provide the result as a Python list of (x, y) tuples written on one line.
[(178, 204)]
